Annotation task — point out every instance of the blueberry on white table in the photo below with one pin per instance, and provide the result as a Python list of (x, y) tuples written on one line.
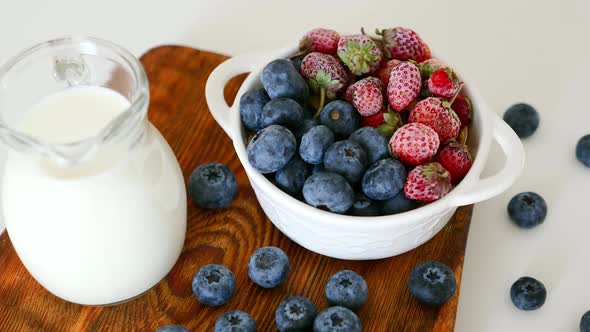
[(583, 150), (337, 319), (523, 119), (432, 283), (235, 321), (527, 209), (585, 322), (269, 267), (212, 185), (296, 313), (214, 285), (347, 289), (528, 293)]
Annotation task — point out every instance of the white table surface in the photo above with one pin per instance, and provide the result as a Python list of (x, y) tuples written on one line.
[(532, 50)]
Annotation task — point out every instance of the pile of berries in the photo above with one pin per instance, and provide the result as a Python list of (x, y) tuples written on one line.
[(359, 124)]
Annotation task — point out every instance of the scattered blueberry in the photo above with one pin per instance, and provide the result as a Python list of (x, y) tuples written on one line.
[(384, 179), (528, 293), (295, 314), (212, 185), (346, 158), (523, 118), (291, 178), (214, 284), (281, 79), (583, 150), (318, 168), (328, 191), (172, 328), (269, 267), (432, 283), (585, 322), (307, 124), (347, 289), (375, 145), (282, 111), (398, 204), (235, 321), (527, 209), (364, 206), (271, 149), (337, 319), (341, 117), (314, 144), (251, 104)]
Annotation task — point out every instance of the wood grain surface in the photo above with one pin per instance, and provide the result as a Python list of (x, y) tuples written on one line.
[(227, 236)]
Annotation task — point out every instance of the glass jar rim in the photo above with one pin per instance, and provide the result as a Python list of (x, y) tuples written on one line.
[(69, 152)]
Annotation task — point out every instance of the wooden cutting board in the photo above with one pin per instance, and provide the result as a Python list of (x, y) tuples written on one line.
[(227, 236)]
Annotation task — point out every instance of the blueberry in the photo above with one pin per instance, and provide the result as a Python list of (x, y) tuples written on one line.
[(523, 118), (281, 79), (384, 179), (398, 204), (172, 328), (251, 104), (295, 314), (291, 178), (341, 117), (307, 124), (374, 144), (328, 191), (432, 283), (364, 206), (297, 63), (337, 319), (347, 289), (271, 149), (346, 158), (282, 111), (528, 293), (583, 150), (212, 186), (214, 285), (314, 144), (269, 267), (585, 322), (235, 321), (527, 209), (318, 168)]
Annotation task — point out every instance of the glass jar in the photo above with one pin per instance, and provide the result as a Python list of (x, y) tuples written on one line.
[(93, 200)]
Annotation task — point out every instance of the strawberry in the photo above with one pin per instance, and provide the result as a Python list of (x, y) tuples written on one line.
[(319, 40), (366, 95), (427, 183), (455, 158), (385, 71), (386, 122), (462, 106), (360, 54), (324, 74), (443, 83), (427, 67), (404, 44), (414, 144), (404, 85), (438, 115)]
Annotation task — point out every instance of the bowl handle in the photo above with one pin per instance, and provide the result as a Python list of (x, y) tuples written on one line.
[(215, 86), (496, 184)]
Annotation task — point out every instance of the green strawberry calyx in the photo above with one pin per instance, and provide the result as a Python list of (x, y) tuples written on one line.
[(393, 122), (358, 57)]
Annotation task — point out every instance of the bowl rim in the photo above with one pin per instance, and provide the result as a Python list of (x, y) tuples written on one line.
[(484, 138)]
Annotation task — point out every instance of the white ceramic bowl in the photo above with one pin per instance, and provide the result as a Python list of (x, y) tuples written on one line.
[(349, 237)]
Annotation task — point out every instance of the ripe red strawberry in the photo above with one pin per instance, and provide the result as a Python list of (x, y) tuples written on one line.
[(404, 85), (366, 95), (427, 183), (438, 115), (443, 83), (386, 122), (455, 158), (462, 106), (404, 44), (324, 74), (427, 67), (320, 40), (360, 54), (414, 144), (385, 71)]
